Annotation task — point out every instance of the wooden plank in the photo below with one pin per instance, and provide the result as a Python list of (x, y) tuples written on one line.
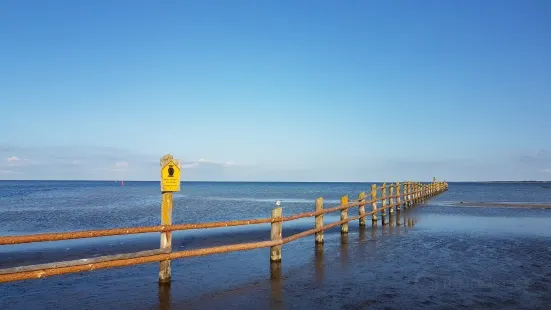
[(84, 261)]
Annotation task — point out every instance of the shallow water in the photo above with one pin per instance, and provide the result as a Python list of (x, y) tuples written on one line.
[(452, 257)]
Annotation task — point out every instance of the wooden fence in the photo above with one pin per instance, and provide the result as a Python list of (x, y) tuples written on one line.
[(392, 197)]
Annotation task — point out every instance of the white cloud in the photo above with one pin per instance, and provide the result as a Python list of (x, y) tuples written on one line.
[(548, 170), (121, 164), (189, 165), (13, 159), (16, 161), (206, 162), (230, 163)]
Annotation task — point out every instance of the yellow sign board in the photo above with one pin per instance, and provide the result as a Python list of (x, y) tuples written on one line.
[(170, 176)]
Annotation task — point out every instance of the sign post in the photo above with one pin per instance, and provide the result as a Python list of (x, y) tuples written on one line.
[(170, 182)]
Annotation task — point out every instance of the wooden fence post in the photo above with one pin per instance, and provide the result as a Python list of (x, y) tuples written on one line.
[(319, 220), (399, 198), (427, 191), (361, 209), (166, 219), (384, 197), (391, 199), (406, 197), (276, 233), (410, 194), (374, 204), (344, 214)]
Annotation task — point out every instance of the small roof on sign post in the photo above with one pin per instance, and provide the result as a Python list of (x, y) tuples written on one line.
[(170, 174)]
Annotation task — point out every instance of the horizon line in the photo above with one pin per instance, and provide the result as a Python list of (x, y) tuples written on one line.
[(249, 181)]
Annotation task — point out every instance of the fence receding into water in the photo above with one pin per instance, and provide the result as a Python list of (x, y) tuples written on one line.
[(392, 198)]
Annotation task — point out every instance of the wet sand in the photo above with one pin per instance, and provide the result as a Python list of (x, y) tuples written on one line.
[(502, 205), (419, 265)]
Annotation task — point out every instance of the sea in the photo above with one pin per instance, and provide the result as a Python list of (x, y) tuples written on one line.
[(457, 250)]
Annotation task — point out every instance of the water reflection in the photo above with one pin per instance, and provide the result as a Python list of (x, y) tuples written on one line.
[(392, 226), (372, 243), (344, 251), (398, 215), (362, 239), (319, 262), (362, 235), (164, 296), (276, 286), (384, 230)]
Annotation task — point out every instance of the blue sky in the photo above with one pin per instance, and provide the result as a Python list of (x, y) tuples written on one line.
[(276, 90)]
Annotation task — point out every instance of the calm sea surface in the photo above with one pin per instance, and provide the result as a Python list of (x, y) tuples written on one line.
[(453, 257)]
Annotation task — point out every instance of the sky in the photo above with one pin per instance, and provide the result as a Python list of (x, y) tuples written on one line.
[(276, 90)]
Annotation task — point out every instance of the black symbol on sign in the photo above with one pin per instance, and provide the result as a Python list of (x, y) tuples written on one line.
[(170, 171)]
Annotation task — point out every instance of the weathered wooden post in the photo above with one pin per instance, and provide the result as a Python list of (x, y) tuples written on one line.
[(319, 220), (427, 190), (170, 182), (361, 209), (411, 195), (407, 197), (344, 214), (391, 199), (374, 204), (384, 197), (399, 198), (276, 233)]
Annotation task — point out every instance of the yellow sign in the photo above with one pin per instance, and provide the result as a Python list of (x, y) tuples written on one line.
[(170, 176)]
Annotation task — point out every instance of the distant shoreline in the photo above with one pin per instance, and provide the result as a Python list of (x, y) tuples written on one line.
[(314, 182), (502, 205)]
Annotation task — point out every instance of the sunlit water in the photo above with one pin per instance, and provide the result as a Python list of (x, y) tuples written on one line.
[(452, 257)]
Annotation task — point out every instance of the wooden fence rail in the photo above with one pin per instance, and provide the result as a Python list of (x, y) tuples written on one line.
[(412, 193)]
